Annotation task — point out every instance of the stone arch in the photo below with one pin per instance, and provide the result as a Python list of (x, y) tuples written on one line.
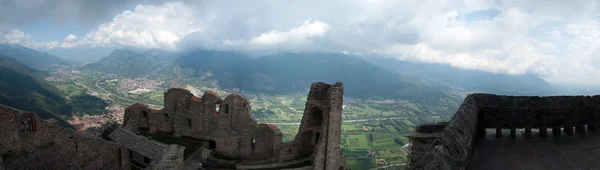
[(226, 108), (189, 122), (316, 116), (145, 121), (253, 144), (217, 107), (317, 136)]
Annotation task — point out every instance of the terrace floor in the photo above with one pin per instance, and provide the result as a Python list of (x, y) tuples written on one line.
[(580, 151)]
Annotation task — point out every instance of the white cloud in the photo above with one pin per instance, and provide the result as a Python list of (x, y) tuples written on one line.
[(16, 36), (13, 36), (70, 38), (148, 26), (501, 36), (300, 34)]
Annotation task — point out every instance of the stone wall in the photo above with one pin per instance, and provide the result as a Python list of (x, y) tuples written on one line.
[(453, 148), (45, 144), (229, 124), (509, 112)]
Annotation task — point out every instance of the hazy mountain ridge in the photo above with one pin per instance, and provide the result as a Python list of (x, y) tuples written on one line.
[(286, 73), (84, 54), (124, 62), (471, 80), (31, 58)]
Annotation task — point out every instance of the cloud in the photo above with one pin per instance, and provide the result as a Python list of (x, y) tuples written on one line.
[(90, 13), (297, 35), (70, 38), (16, 36), (148, 26), (13, 36), (500, 36)]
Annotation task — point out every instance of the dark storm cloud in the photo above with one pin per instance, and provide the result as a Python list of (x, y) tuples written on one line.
[(85, 12)]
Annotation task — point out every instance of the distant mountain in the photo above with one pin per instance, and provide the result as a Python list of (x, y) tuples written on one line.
[(473, 80), (125, 62), (31, 58), (21, 90), (83, 54), (285, 73)]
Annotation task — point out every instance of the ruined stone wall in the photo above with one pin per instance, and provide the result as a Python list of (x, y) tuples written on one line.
[(229, 123), (50, 146), (231, 126), (320, 130)]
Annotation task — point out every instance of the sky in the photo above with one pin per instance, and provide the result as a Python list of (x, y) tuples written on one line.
[(555, 39)]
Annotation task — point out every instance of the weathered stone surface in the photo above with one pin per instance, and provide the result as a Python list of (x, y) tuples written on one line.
[(140, 144), (229, 125), (44, 145), (172, 159), (453, 149)]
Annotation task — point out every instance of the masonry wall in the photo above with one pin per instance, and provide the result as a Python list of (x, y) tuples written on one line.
[(231, 126), (52, 146), (454, 148), (229, 123), (537, 112)]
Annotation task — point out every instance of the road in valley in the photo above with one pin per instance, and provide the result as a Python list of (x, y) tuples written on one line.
[(123, 98)]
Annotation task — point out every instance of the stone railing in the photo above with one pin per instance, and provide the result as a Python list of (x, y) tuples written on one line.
[(524, 112), (453, 147)]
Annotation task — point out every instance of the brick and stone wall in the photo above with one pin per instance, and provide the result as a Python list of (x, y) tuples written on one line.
[(47, 145)]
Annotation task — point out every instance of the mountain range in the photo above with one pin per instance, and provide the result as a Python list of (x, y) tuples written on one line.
[(22, 89), (364, 77), (32, 58)]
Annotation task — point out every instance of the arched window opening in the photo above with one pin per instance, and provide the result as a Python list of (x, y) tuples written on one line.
[(226, 108), (166, 116), (253, 144), (317, 135), (217, 107), (189, 122), (317, 117), (212, 144), (145, 114)]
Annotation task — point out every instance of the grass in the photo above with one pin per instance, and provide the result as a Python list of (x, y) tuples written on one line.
[(386, 145), (360, 141), (190, 146), (354, 164)]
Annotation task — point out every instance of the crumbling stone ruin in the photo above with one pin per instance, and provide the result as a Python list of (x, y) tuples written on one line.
[(27, 142), (476, 134), (236, 140), (231, 138)]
